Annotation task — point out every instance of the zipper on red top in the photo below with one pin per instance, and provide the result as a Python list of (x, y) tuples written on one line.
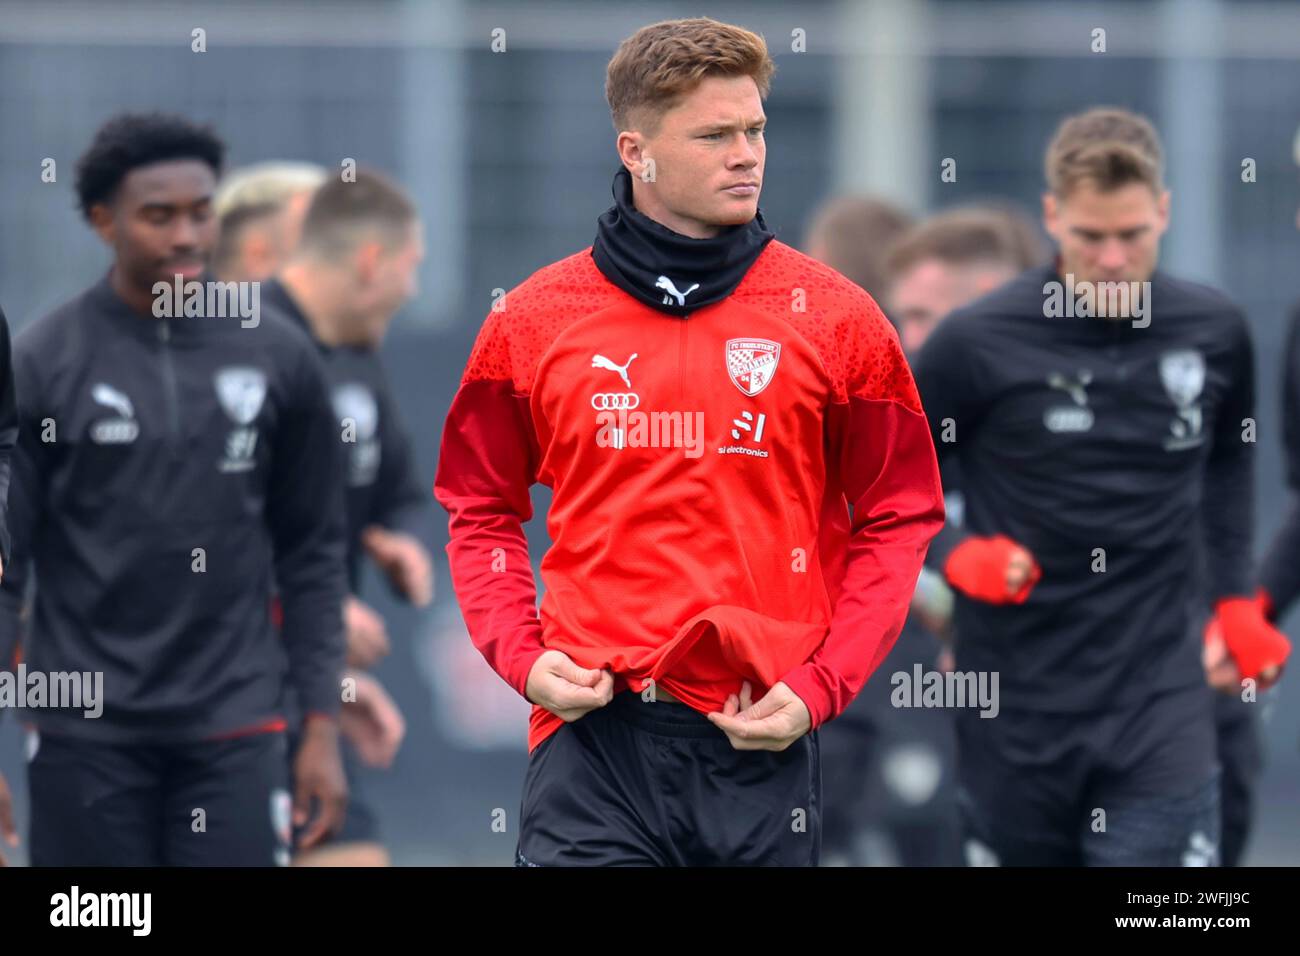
[(681, 358)]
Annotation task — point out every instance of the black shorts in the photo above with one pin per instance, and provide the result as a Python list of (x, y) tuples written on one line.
[(1132, 786), (656, 784), (209, 803)]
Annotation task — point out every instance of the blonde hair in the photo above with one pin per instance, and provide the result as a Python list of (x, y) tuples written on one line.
[(265, 187), (656, 66), (1106, 146)]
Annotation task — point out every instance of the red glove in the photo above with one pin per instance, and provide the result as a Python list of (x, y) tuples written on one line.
[(1255, 645), (978, 568)]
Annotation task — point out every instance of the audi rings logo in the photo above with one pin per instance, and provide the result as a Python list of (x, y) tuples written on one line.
[(612, 401)]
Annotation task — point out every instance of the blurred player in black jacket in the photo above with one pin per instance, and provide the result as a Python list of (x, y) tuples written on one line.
[(173, 461), (355, 266), (1102, 413)]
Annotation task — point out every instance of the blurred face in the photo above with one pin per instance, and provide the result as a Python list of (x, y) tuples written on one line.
[(1108, 236), (388, 278), (160, 223), (922, 296), (289, 221), (265, 244), (708, 154)]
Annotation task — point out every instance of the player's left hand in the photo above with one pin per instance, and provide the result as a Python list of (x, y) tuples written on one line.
[(403, 560), (318, 778), (773, 723)]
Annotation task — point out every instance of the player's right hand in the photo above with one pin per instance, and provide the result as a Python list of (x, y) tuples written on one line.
[(8, 832), (994, 570), (565, 689), (367, 636), (320, 797), (1220, 669)]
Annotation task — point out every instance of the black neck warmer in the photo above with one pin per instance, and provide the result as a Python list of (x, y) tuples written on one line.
[(664, 269)]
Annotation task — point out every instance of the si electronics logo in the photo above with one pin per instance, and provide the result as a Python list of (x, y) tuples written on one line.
[(746, 427)]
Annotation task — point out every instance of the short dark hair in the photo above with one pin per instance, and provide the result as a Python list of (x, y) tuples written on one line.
[(341, 212), (966, 236), (131, 140), (854, 233)]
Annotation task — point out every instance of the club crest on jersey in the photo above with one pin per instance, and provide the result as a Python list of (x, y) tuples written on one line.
[(1183, 375), (1182, 372), (356, 403), (241, 389), (357, 410), (751, 363)]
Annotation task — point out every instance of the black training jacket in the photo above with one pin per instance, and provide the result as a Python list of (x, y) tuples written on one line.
[(382, 485), (167, 472), (1106, 449)]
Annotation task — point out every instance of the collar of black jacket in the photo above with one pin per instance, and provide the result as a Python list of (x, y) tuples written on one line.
[(276, 296), (664, 269), (170, 318), (105, 301)]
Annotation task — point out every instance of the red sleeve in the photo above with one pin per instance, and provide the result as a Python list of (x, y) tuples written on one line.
[(879, 446), (486, 466)]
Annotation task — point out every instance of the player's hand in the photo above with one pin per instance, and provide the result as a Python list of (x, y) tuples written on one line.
[(319, 784), (774, 723), (565, 689), (403, 560), (1220, 669), (8, 832), (994, 570), (367, 636), (1256, 647), (932, 604), (372, 722)]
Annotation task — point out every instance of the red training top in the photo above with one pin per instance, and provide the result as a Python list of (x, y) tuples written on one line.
[(700, 470)]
